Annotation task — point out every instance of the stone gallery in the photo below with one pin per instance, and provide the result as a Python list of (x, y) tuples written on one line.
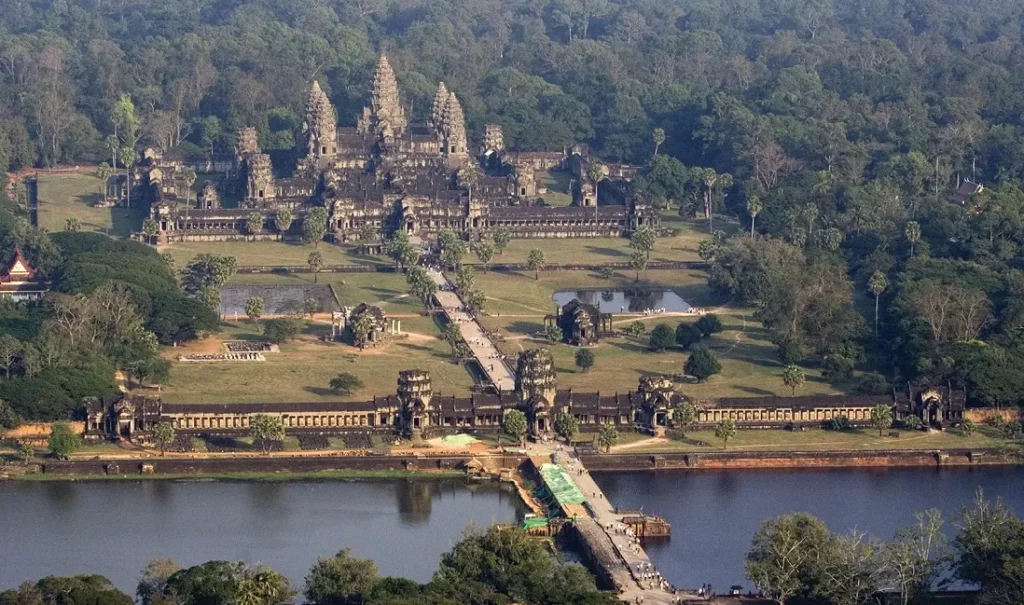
[(391, 175)]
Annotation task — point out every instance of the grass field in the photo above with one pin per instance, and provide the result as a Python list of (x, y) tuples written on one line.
[(811, 440), (557, 184), (266, 254), (303, 368), (64, 196), (517, 304)]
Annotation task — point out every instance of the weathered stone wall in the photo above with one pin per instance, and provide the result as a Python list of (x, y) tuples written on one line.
[(755, 460), (985, 415), (273, 464)]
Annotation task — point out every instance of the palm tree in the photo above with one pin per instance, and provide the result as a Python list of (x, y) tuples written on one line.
[(103, 173), (913, 233), (659, 138), (753, 209), (596, 174), (713, 183), (876, 285)]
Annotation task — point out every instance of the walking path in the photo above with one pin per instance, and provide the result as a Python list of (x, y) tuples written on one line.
[(486, 354)]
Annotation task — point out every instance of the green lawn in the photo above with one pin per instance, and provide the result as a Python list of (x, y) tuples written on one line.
[(517, 304), (64, 196), (557, 184), (303, 368), (268, 254), (810, 440)]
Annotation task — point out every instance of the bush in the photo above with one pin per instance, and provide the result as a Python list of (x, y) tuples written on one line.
[(282, 329), (688, 335), (872, 383), (912, 423), (839, 423), (838, 367), (791, 352), (662, 338), (709, 324)]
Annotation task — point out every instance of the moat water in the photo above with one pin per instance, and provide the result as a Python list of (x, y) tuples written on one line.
[(114, 528), (628, 300), (715, 514)]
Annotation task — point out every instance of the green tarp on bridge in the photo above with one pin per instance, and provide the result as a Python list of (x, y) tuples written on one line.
[(561, 486)]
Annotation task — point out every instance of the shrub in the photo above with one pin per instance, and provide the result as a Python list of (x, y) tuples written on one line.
[(688, 335), (838, 367), (912, 423), (282, 329), (662, 338), (791, 352), (709, 324), (839, 423)]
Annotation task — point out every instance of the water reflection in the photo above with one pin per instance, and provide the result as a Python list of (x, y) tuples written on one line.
[(632, 300)]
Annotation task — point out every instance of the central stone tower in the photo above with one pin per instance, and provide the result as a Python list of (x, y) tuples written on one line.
[(320, 126), (385, 116)]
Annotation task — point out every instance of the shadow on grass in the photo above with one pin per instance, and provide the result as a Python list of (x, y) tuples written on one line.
[(756, 391), (527, 328), (606, 251), (320, 391), (124, 221)]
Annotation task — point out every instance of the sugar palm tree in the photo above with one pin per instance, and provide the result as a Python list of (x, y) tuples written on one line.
[(753, 209), (876, 285)]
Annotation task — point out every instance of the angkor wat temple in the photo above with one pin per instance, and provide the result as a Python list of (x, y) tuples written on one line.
[(390, 174)]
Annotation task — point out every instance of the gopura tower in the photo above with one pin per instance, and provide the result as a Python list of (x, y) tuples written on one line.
[(385, 116), (320, 126)]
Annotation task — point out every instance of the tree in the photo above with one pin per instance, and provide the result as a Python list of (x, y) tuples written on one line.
[(595, 172), (876, 285), (967, 427), (63, 440), (793, 377), (709, 324), (702, 364), (345, 384), (265, 430), (315, 260), (502, 238), (281, 329), (484, 253), (850, 571), (687, 335), (567, 426), (254, 308), (725, 430), (72, 224), (451, 335), (314, 226), (643, 240), (536, 261), (311, 306), (452, 248), (163, 436), (150, 228), (638, 262), (254, 222), (340, 580), (917, 555), (636, 329), (26, 452), (552, 332), (261, 585), (713, 184), (707, 250), (683, 416), (783, 554), (913, 234), (753, 209), (515, 425), (662, 337), (464, 279), (283, 219), (11, 349), (607, 436), (153, 580), (912, 423), (881, 417), (361, 330), (103, 173), (584, 359), (659, 138)]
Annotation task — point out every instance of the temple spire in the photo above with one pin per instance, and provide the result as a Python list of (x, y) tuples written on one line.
[(453, 129), (387, 114), (320, 125), (437, 110)]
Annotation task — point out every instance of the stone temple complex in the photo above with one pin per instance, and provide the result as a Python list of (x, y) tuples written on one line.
[(391, 174)]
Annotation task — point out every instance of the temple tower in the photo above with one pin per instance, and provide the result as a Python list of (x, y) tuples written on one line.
[(536, 383), (437, 109), (260, 179), (415, 393), (247, 143), (494, 139), (453, 131), (320, 126), (385, 116)]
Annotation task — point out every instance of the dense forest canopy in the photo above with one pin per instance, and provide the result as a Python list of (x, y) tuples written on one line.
[(835, 131)]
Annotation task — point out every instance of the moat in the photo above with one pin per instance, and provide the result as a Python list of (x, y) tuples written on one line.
[(114, 528)]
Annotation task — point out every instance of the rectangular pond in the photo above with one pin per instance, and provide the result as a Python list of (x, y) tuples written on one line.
[(277, 299), (626, 300)]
